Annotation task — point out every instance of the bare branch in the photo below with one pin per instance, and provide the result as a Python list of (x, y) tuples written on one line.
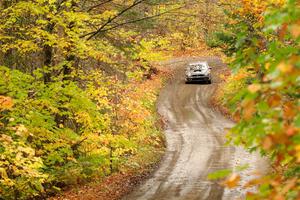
[(100, 4), (138, 20), (92, 34)]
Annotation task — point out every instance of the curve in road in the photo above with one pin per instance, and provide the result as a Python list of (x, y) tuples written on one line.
[(195, 143)]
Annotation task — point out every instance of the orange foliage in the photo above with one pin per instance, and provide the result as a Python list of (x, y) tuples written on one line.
[(134, 109), (254, 8), (5, 103), (232, 181)]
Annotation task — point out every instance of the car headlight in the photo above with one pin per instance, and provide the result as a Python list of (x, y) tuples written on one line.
[(207, 72), (189, 74)]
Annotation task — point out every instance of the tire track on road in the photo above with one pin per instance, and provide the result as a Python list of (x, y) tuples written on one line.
[(195, 142)]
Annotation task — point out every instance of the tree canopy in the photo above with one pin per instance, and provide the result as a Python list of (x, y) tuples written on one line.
[(77, 87)]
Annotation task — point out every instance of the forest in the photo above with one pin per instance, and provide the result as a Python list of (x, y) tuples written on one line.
[(80, 80)]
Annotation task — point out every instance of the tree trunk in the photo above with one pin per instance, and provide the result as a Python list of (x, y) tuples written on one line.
[(48, 54)]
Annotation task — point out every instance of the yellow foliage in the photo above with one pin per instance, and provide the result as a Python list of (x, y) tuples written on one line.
[(254, 8)]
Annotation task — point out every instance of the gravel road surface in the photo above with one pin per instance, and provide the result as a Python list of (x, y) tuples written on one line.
[(195, 136)]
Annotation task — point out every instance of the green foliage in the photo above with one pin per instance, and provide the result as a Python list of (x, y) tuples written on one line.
[(267, 106), (224, 40), (219, 174)]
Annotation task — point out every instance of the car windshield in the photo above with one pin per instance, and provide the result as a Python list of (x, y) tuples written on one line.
[(197, 67)]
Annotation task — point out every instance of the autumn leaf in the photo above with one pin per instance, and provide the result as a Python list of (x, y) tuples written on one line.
[(280, 138), (267, 143), (288, 185), (232, 181), (267, 66), (236, 116), (274, 100), (255, 182), (285, 67), (288, 110), (297, 148), (290, 130), (248, 109), (295, 30), (21, 130), (5, 103), (6, 138), (253, 88), (282, 31), (279, 197)]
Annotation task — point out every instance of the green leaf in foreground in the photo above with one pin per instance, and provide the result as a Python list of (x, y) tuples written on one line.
[(219, 174)]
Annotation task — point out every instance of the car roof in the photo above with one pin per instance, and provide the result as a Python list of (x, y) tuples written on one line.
[(199, 63)]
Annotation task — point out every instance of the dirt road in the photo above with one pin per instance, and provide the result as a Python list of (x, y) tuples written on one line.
[(195, 136)]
